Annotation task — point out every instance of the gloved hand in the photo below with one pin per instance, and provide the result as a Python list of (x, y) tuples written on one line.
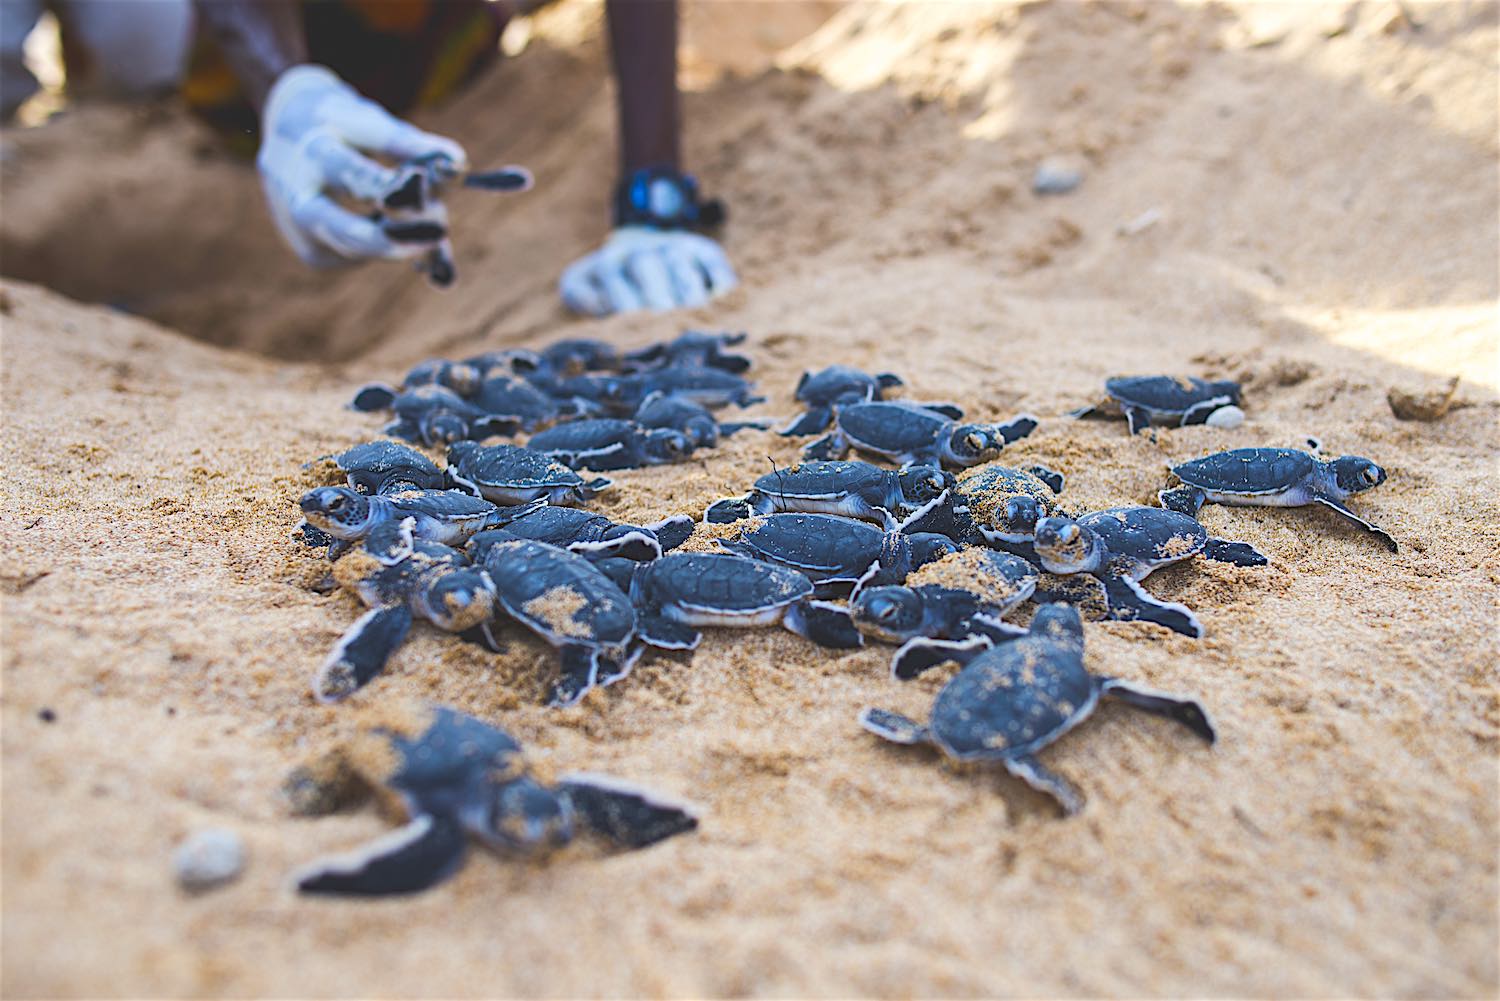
[(641, 267), (311, 129)]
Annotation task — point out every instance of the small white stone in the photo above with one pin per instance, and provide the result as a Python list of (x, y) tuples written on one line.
[(1226, 418), (1057, 175), (209, 858)]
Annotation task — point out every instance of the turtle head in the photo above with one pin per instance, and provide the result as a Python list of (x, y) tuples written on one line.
[(461, 377), (1058, 622), (971, 444), (341, 512), (929, 547), (923, 484), (525, 817), (459, 451), (890, 614), (1353, 473), (664, 445), (440, 427), (1067, 547), (459, 600)]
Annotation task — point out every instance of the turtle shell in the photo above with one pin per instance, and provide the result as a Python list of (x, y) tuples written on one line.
[(453, 752), (1146, 535), (1013, 699), (441, 505), (823, 480), (582, 437), (509, 466), (722, 585), (837, 384), (559, 595), (1248, 470), (1167, 394), (996, 578), (711, 387), (988, 490), (679, 414), (508, 396), (892, 427), (554, 525), (377, 463), (818, 544)]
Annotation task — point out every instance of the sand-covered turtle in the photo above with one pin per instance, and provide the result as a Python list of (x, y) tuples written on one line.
[(564, 599), (1012, 700), (511, 474), (607, 443), (590, 534), (683, 591), (1276, 477), (450, 776), (1162, 400), (399, 578), (1123, 545), (692, 349), (826, 390), (678, 413), (435, 415), (445, 516), (835, 553), (995, 505), (852, 489), (385, 467), (911, 434)]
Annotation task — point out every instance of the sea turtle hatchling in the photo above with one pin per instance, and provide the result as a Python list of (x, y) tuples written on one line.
[(1162, 400), (677, 413), (852, 489), (510, 474), (514, 404), (608, 443), (445, 516), (435, 415), (835, 553), (399, 578), (824, 391), (692, 349), (911, 434), (590, 534), (385, 467), (460, 377), (1123, 545), (1276, 477), (709, 387), (568, 602), (451, 775), (1010, 701), (996, 505)]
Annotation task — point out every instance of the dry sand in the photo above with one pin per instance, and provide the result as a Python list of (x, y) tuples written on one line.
[(1324, 184)]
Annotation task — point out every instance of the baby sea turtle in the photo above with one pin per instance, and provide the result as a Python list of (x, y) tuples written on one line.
[(709, 387), (384, 467), (399, 578), (510, 474), (835, 386), (444, 516), (1012, 700), (911, 434), (435, 415), (590, 534), (996, 505), (1276, 477), (682, 591), (852, 489), (516, 405), (575, 356), (1123, 545), (451, 775), (460, 377), (661, 410), (605, 443), (955, 603), (693, 349), (1163, 400), (567, 601), (835, 553)]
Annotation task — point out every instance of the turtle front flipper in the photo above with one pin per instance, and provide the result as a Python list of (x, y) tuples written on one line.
[(728, 510), (1189, 712), (1379, 533), (1084, 413), (662, 632), (814, 421), (671, 532), (1241, 554), (1139, 418), (1016, 428), (502, 516), (580, 667), (362, 652), (1129, 602), (625, 814), (894, 727), (824, 623), (920, 653), (997, 630), (422, 854), (1051, 477), (632, 544), (952, 411), (827, 448), (374, 397), (1183, 500), (1030, 770)]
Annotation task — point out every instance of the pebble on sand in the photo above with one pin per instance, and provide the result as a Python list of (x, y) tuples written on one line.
[(209, 858), (1056, 176)]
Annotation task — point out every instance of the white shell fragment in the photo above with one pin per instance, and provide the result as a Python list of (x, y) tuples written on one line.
[(1226, 418), (209, 858)]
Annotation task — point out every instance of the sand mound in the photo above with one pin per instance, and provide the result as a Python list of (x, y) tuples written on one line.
[(1303, 198)]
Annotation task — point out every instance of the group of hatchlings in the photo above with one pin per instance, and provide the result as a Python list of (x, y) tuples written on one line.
[(841, 552)]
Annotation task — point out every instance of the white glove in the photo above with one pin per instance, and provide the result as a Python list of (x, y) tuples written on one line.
[(640, 267), (310, 130)]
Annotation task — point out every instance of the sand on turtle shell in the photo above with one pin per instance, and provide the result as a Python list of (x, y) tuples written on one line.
[(1322, 180)]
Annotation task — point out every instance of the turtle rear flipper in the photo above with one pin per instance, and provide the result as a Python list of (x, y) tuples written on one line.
[(1030, 770), (374, 397), (814, 421), (1138, 418), (1085, 413), (1183, 500), (422, 854), (662, 632), (1379, 533), (625, 814), (894, 727), (824, 623), (671, 532), (580, 668), (1129, 602), (1189, 712), (362, 652), (922, 653), (1241, 554)]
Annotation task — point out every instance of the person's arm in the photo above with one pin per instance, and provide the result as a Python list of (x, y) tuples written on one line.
[(261, 39), (643, 40)]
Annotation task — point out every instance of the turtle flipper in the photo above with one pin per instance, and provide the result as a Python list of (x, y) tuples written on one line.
[(826, 624), (662, 632), (952, 411), (1379, 533), (894, 727), (375, 396), (1030, 770), (1189, 712), (313, 538), (814, 421), (362, 652), (611, 669), (1241, 554), (1083, 413), (671, 532), (423, 853), (827, 448), (734, 427), (1198, 413), (580, 668), (625, 814), (1183, 500), (1138, 418), (1129, 602), (1016, 428), (918, 654), (730, 509), (503, 516), (633, 544), (997, 630), (1051, 477)]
